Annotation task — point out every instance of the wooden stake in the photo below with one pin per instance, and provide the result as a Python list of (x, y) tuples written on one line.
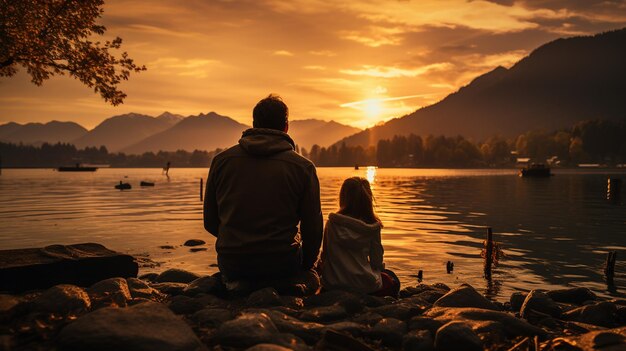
[(201, 188), (609, 266), (488, 254), (420, 275)]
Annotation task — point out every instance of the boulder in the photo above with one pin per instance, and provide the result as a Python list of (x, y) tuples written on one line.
[(113, 289), (456, 336), (418, 340), (246, 330), (517, 300), (473, 317), (400, 310), (212, 317), (79, 264), (465, 296), (308, 331), (602, 340), (63, 299), (182, 304), (367, 318), (264, 297), (175, 275), (389, 330), (539, 302), (345, 327), (268, 347), (140, 289), (334, 340), (204, 285), (194, 242), (573, 295), (147, 326), (602, 314), (324, 314), (170, 288), (151, 277), (425, 323), (7, 306)]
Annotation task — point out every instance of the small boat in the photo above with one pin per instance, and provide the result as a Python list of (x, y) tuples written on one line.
[(123, 186), (144, 183), (77, 168), (537, 170)]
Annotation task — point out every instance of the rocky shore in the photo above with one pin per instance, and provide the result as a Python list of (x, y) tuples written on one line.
[(179, 310)]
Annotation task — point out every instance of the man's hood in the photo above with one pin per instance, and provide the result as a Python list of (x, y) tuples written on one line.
[(351, 229), (265, 142)]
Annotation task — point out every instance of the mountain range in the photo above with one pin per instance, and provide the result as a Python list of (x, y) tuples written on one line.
[(135, 133), (557, 85)]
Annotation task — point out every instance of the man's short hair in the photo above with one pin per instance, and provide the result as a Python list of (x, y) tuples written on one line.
[(271, 113)]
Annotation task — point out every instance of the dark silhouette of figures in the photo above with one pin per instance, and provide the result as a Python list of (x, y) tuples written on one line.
[(257, 193), (166, 169)]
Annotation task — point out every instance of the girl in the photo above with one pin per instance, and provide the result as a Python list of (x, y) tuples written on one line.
[(352, 255)]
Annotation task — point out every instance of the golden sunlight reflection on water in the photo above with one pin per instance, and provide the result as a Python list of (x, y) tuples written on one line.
[(555, 232)]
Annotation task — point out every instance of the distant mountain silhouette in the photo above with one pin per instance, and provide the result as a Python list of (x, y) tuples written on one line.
[(121, 131), (558, 84), (170, 118), (203, 132), (37, 133), (307, 132)]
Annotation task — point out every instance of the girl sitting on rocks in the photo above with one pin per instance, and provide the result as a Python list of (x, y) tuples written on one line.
[(352, 256)]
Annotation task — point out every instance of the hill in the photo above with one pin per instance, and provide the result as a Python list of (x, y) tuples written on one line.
[(308, 132), (121, 131), (37, 133), (558, 84), (203, 132)]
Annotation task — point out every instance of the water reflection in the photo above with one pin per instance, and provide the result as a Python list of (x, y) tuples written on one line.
[(556, 232)]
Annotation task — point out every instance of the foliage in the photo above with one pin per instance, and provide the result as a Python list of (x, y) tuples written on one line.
[(49, 37)]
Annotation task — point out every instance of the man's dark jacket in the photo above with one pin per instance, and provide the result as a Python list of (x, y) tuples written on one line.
[(256, 194)]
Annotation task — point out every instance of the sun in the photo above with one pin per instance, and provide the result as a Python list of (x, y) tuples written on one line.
[(373, 108)]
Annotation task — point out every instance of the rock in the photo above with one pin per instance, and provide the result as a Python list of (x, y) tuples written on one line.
[(400, 310), (513, 327), (602, 314), (351, 328), (264, 297), (574, 295), (441, 286), (418, 340), (367, 318), (174, 275), (182, 304), (194, 242), (621, 315), (464, 296), (333, 340), (324, 314), (517, 300), (293, 302), (140, 289), (204, 285), (539, 302), (147, 326), (389, 330), (457, 336), (170, 288), (267, 347), (308, 331), (113, 289), (247, 330), (329, 298), (7, 307), (605, 340), (63, 299), (212, 317), (80, 264), (151, 277), (430, 296), (424, 323)]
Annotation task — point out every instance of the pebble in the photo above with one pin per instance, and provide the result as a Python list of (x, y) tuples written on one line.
[(194, 242)]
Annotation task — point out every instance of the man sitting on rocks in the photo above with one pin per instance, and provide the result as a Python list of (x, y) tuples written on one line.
[(257, 193)]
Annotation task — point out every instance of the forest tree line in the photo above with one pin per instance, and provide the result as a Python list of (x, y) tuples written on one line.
[(596, 141)]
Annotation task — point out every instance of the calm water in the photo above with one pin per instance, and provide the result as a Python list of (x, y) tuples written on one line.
[(555, 232)]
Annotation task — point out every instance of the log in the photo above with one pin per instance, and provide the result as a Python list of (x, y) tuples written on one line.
[(79, 264)]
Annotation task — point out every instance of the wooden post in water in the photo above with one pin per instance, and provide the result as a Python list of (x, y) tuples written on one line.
[(609, 266), (201, 185), (449, 267), (488, 254), (420, 276)]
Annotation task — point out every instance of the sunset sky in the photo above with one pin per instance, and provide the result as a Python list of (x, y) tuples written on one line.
[(355, 62)]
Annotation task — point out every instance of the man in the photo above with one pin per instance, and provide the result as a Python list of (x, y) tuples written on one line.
[(257, 193)]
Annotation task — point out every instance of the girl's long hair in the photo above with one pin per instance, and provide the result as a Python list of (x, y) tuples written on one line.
[(356, 200)]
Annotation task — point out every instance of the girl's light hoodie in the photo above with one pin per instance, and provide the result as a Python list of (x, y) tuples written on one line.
[(352, 255)]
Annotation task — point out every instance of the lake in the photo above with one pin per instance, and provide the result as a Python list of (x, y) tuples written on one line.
[(554, 232)]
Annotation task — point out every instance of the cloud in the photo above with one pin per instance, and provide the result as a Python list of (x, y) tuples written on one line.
[(394, 72), (282, 53)]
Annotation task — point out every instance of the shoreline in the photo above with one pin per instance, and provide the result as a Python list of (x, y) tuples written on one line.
[(124, 313)]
